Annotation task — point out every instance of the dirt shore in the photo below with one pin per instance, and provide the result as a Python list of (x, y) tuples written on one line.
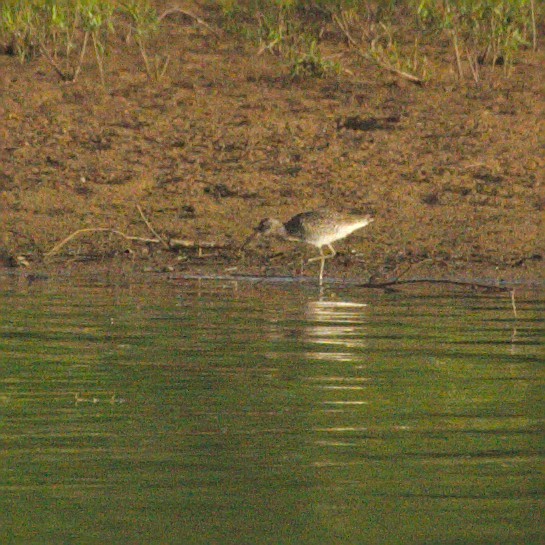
[(455, 174)]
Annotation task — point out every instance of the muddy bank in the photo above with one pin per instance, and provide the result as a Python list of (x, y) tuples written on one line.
[(455, 174)]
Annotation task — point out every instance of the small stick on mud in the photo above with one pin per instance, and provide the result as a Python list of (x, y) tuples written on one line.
[(177, 243), (150, 227), (58, 246), (388, 67)]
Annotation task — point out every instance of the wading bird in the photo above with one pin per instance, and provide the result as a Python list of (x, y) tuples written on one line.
[(317, 227)]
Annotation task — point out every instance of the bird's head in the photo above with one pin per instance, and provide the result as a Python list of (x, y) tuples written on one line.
[(266, 227), (269, 226)]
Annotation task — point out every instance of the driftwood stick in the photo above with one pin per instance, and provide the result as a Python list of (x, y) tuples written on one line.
[(150, 227), (177, 243), (58, 246)]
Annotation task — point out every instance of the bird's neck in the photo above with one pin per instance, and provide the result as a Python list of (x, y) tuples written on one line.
[(281, 231)]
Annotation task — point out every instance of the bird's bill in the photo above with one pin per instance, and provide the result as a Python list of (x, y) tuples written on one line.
[(251, 238)]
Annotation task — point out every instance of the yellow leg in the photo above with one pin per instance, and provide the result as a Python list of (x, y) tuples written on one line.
[(322, 257), (322, 263)]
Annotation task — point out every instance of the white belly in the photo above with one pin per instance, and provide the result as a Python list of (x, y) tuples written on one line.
[(336, 232)]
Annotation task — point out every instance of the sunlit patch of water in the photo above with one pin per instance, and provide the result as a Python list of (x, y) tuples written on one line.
[(268, 411)]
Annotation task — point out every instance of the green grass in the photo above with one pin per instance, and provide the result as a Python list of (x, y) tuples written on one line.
[(482, 31), (64, 31), (59, 30), (482, 34), (392, 34)]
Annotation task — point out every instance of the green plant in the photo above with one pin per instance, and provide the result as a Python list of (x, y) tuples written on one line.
[(277, 30), (65, 30), (283, 31), (60, 30), (17, 28), (310, 62), (375, 42), (145, 21), (97, 21), (481, 31), (386, 52)]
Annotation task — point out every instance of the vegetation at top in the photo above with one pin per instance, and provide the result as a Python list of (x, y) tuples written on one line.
[(393, 34), (62, 31)]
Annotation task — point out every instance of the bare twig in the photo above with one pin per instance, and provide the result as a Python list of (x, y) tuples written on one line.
[(175, 243), (397, 282), (58, 246), (406, 270), (342, 24), (480, 285), (150, 227), (63, 75), (191, 15), (394, 70)]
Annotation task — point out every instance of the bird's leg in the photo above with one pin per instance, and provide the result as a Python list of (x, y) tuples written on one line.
[(322, 263), (318, 257), (322, 259), (322, 255), (333, 252)]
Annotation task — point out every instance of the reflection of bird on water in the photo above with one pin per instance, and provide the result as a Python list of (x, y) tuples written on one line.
[(318, 227)]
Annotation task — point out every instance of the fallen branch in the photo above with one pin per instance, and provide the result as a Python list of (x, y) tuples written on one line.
[(150, 227), (58, 246), (172, 244), (176, 243), (343, 25), (390, 68)]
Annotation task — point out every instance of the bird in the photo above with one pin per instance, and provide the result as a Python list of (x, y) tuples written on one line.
[(319, 228)]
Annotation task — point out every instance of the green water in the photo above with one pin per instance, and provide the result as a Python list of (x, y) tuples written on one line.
[(223, 413)]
